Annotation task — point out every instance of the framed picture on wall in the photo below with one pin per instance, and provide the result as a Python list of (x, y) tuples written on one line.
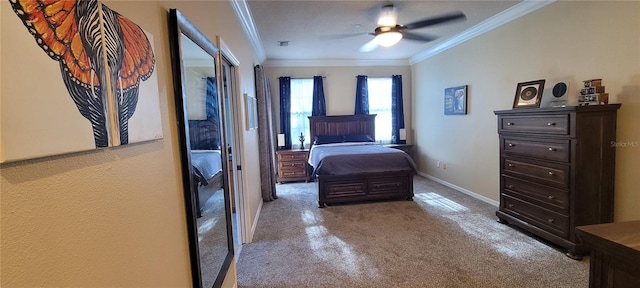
[(528, 94), (81, 106), (251, 105), (455, 100)]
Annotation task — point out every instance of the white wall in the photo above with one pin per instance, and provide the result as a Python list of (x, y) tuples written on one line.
[(578, 40)]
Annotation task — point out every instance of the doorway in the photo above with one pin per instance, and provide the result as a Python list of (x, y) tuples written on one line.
[(231, 98)]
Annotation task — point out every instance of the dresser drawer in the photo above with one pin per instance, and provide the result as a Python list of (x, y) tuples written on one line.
[(548, 173), (292, 165), (551, 198), (550, 221), (292, 156), (554, 150), (284, 174), (541, 124)]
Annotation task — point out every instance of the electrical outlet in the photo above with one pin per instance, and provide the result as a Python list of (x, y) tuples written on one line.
[(444, 166), (438, 164)]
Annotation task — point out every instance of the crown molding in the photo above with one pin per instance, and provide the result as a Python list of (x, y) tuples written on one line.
[(226, 52), (514, 12), (246, 21), (334, 63)]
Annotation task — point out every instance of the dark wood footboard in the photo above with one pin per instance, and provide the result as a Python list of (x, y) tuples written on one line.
[(365, 187), (215, 181)]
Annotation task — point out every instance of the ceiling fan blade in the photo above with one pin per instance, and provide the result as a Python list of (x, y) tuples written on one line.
[(416, 37), (341, 36), (369, 46), (454, 16)]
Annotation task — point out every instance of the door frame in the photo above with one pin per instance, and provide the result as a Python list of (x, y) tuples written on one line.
[(235, 100)]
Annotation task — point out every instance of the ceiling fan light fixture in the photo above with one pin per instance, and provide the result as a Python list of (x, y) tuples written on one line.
[(388, 39)]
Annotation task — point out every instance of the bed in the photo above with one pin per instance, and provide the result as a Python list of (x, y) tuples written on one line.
[(344, 171), (207, 171)]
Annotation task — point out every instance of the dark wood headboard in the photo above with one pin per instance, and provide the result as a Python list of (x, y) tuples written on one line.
[(342, 125), (204, 134)]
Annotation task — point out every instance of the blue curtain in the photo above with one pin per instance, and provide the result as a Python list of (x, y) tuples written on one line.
[(213, 112), (397, 110), (362, 96), (319, 107), (212, 100), (285, 110)]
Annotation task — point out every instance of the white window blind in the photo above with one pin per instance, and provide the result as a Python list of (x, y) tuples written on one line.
[(301, 107), (380, 104)]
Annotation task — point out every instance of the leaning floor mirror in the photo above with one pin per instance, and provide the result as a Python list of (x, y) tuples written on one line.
[(203, 147)]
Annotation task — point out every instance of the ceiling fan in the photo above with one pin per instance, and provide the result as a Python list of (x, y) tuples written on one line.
[(389, 32)]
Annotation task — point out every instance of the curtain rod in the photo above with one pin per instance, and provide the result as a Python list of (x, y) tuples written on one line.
[(300, 77)]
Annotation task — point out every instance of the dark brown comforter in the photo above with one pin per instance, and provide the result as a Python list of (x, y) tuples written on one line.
[(354, 158)]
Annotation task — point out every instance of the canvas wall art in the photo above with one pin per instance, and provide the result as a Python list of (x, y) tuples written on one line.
[(455, 100), (82, 77)]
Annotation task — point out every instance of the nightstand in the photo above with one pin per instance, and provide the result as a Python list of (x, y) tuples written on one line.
[(292, 165), (407, 148)]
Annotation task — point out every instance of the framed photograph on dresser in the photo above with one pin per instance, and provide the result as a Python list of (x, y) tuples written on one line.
[(529, 94)]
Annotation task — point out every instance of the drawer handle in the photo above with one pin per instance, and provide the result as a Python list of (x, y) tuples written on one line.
[(510, 186), (551, 173), (511, 144), (509, 123), (551, 124), (552, 149), (550, 220), (551, 197), (510, 205), (510, 165)]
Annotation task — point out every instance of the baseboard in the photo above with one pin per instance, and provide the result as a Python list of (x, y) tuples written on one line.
[(460, 189), (255, 223), (237, 252)]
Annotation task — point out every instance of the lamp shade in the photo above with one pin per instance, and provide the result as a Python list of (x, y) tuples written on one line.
[(280, 140), (403, 134)]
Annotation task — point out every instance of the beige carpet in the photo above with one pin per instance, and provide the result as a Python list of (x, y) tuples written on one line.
[(441, 239)]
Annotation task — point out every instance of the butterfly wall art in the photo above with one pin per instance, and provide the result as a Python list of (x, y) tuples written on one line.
[(106, 64)]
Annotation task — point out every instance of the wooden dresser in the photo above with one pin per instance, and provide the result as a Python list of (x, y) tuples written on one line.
[(292, 165), (557, 168), (615, 254)]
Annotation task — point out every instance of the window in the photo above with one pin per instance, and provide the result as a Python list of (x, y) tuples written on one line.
[(301, 107), (380, 104)]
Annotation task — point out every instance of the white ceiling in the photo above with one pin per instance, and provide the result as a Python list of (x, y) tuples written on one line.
[(314, 27)]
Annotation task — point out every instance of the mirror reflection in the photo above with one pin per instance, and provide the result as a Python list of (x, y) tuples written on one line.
[(203, 114), (199, 107)]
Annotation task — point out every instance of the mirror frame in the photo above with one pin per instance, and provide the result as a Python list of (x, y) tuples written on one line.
[(180, 25)]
